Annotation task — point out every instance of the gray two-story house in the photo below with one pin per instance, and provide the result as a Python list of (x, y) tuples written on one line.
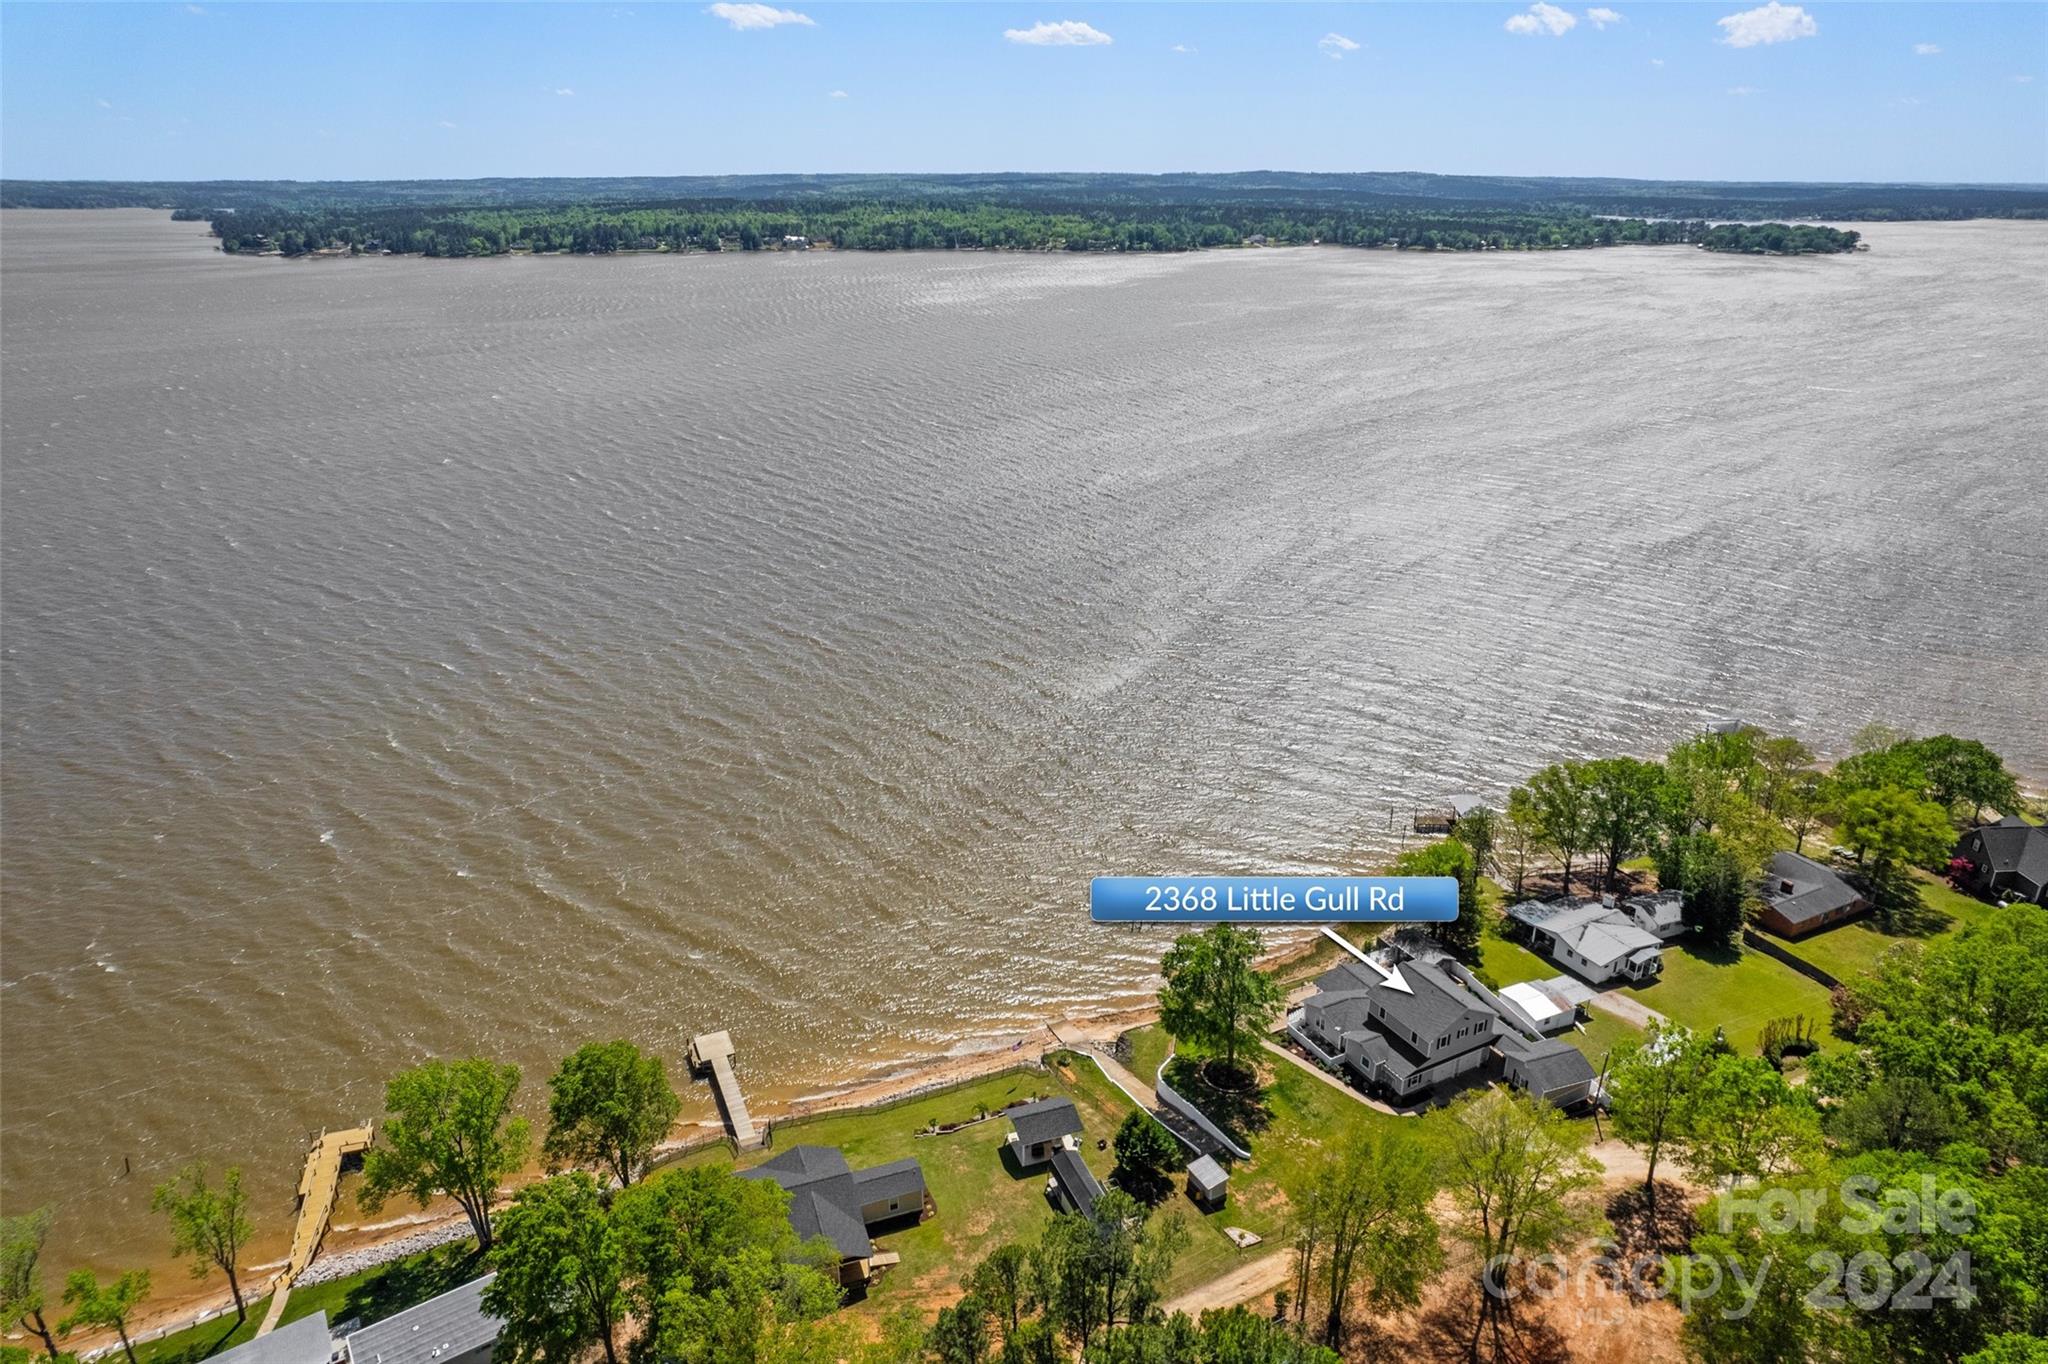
[(1402, 1041)]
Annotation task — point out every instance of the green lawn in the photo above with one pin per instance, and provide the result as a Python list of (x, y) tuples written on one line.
[(981, 1201), (1851, 949), (1738, 993), (1150, 1047), (1505, 963), (1602, 1033), (369, 1296)]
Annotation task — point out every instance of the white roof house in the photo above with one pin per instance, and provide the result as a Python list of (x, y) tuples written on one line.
[(1595, 939), (1548, 1012)]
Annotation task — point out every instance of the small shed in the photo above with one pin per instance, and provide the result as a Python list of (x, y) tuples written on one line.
[(1208, 1183), (1041, 1128), (1549, 1013)]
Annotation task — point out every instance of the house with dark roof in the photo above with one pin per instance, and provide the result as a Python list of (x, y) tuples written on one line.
[(829, 1198), (1072, 1186), (2009, 858), (1041, 1128), (1404, 1041), (1551, 1069), (1598, 939), (305, 1341), (1801, 896), (1443, 1026), (453, 1328)]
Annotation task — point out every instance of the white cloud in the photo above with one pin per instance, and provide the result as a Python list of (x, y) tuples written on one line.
[(1909, 101), (1183, 49), (1926, 50), (1602, 17), (1065, 33), (564, 90), (446, 124), (837, 94), (1772, 23), (104, 103), (195, 9), (1656, 61), (2022, 80), (1543, 18), (1336, 44), (1741, 91), (748, 15)]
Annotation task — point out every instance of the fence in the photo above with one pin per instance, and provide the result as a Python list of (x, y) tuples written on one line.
[(1173, 1100), (1751, 938)]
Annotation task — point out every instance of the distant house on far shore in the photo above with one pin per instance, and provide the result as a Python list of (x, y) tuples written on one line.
[(1801, 897), (2007, 858)]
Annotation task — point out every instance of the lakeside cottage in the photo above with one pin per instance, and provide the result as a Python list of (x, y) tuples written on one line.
[(1444, 1026), (450, 1329), (2009, 858), (1603, 939), (829, 1198), (1042, 1128), (1801, 896)]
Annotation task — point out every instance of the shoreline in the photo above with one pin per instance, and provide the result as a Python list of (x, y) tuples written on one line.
[(349, 1249)]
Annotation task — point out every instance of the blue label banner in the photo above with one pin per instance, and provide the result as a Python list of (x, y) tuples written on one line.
[(1272, 899)]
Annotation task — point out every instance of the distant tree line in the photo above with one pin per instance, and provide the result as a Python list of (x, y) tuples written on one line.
[(720, 226)]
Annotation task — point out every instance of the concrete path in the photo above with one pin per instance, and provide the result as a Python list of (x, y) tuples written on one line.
[(1626, 1009), (1333, 1082)]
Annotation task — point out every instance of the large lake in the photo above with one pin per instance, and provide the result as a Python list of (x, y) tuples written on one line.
[(407, 657)]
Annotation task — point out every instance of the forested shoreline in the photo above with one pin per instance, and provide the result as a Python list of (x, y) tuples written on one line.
[(1077, 213)]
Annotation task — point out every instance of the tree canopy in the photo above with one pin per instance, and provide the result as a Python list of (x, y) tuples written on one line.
[(450, 1131), (1215, 997), (209, 1223), (609, 1105)]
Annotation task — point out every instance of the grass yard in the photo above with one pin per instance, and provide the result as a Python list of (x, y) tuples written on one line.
[(369, 1296), (1602, 1033), (1150, 1047), (1307, 1117), (1850, 949), (1505, 963), (1737, 993), (981, 1201)]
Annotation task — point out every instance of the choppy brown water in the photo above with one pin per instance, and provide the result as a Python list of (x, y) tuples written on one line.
[(408, 657)]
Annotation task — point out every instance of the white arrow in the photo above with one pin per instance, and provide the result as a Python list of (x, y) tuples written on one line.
[(1390, 977)]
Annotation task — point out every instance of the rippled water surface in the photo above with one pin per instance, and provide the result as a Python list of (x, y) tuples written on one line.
[(408, 657)]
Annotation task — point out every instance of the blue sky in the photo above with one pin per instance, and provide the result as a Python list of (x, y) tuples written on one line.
[(1724, 91)]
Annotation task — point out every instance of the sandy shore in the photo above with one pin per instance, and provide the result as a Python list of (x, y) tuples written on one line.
[(350, 1249)]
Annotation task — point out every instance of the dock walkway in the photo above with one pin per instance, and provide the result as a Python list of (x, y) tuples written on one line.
[(712, 1051), (319, 1184)]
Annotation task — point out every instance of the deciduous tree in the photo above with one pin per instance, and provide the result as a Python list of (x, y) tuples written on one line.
[(1651, 1086), (451, 1131), (609, 1105), (1366, 1226), (21, 1274), (1891, 832), (1626, 797), (1146, 1157), (560, 1284), (108, 1306), (1560, 803), (208, 1224), (1216, 998)]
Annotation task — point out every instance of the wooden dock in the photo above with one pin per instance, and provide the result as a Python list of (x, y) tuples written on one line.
[(319, 1185), (712, 1051)]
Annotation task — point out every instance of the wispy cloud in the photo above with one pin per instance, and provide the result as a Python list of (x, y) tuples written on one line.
[(1926, 50), (104, 103), (1656, 61), (1543, 18), (1183, 49), (1772, 23), (1336, 44), (1601, 17), (1743, 91), (446, 124), (195, 9), (1065, 33), (2022, 80), (564, 90), (1909, 101), (751, 16), (836, 94)]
